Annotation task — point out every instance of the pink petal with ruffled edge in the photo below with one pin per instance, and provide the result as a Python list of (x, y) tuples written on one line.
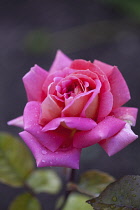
[(33, 82), (106, 68), (87, 65), (51, 139), (60, 62), (78, 123), (105, 129), (128, 114), (53, 77), (119, 88), (17, 122), (105, 105), (119, 141), (44, 157)]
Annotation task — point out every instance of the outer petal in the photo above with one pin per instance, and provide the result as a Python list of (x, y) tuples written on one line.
[(119, 88), (44, 157), (17, 122), (119, 141), (78, 123), (81, 64), (33, 82), (60, 62), (128, 114), (51, 139), (106, 68), (105, 129), (118, 85), (105, 106)]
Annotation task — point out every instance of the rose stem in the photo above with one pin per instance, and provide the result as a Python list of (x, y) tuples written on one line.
[(67, 191)]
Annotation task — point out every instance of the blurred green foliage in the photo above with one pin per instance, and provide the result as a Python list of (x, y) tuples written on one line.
[(44, 180), (37, 41), (16, 162), (17, 169), (75, 201), (129, 7), (94, 182), (25, 201)]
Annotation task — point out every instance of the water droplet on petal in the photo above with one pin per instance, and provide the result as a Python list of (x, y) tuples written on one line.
[(44, 152), (43, 161)]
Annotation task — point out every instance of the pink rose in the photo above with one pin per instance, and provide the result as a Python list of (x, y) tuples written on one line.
[(75, 105)]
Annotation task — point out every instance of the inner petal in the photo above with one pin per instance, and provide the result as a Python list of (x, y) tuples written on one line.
[(49, 110)]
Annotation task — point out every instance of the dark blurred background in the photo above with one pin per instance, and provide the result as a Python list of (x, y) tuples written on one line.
[(30, 33)]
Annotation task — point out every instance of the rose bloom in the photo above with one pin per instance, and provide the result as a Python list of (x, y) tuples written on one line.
[(75, 105)]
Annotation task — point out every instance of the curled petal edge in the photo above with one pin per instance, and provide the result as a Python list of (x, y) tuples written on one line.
[(105, 129), (119, 141), (44, 157)]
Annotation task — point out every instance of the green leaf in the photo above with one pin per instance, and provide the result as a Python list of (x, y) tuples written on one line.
[(25, 202), (122, 194), (75, 201), (93, 182), (15, 160), (44, 180)]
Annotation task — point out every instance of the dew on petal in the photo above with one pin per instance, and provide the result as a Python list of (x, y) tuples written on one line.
[(44, 152)]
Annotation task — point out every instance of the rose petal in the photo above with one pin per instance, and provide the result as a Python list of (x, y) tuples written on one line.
[(105, 106), (80, 64), (87, 65), (127, 113), (33, 82), (49, 110), (90, 109), (87, 73), (75, 107), (106, 68), (119, 141), (105, 129), (44, 157), (51, 139), (52, 77), (118, 85), (17, 122), (119, 88), (60, 62), (78, 123)]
